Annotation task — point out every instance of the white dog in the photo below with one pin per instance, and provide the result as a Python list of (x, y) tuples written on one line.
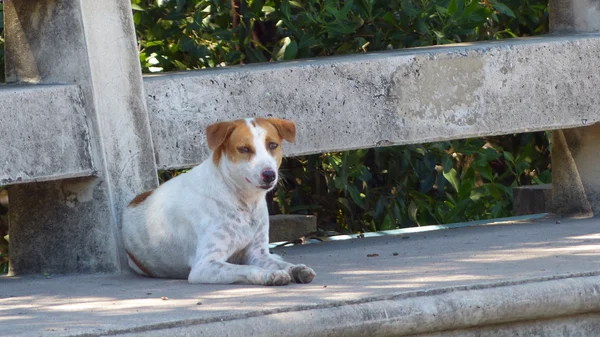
[(211, 225)]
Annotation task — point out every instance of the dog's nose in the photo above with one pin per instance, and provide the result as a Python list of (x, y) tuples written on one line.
[(268, 176)]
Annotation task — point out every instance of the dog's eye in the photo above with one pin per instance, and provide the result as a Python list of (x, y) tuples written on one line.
[(273, 146), (244, 149)]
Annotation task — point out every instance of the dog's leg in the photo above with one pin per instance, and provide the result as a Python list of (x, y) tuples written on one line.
[(257, 254), (261, 257), (215, 269)]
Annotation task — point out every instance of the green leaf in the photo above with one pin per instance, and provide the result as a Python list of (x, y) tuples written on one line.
[(447, 163), (408, 8), (255, 55), (509, 156), (296, 4), (137, 8), (452, 177), (453, 6), (502, 8), (355, 195), (180, 4), (340, 184), (345, 203), (412, 212)]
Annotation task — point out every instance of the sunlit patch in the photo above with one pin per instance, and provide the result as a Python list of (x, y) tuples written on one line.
[(240, 292), (586, 237)]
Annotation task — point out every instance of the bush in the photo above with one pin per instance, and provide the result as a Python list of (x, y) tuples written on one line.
[(405, 186), (194, 34)]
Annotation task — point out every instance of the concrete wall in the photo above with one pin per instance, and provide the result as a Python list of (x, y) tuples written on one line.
[(380, 99), (73, 225), (44, 134)]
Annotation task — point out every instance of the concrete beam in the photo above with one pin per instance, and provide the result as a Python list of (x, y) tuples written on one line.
[(388, 98), (569, 16), (575, 160), (44, 134), (73, 225)]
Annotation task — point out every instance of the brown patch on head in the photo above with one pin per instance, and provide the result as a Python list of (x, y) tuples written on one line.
[(285, 128), (277, 130), (140, 198), (233, 139)]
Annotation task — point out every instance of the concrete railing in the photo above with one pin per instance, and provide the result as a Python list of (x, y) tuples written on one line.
[(83, 132)]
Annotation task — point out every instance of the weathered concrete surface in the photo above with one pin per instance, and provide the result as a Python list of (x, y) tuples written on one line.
[(55, 242), (575, 160), (576, 171), (400, 97), (91, 44), (511, 274), (568, 16), (44, 134), (532, 199), (587, 325), (288, 227)]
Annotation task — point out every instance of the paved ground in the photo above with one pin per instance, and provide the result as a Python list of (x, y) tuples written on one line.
[(349, 272)]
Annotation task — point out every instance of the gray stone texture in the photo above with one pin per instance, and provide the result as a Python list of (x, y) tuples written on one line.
[(532, 199), (575, 159), (510, 276), (575, 174), (568, 16), (44, 134), (91, 44), (379, 99), (587, 325), (289, 227)]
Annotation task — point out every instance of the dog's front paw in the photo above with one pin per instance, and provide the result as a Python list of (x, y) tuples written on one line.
[(303, 274), (277, 278)]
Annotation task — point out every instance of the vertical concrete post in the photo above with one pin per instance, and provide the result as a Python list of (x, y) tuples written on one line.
[(575, 152), (73, 225)]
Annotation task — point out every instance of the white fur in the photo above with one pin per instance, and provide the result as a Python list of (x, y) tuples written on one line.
[(210, 225)]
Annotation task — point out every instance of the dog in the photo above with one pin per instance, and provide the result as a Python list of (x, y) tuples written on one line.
[(211, 224)]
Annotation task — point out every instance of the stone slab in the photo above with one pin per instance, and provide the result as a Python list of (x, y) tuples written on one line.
[(449, 279), (44, 134), (408, 96), (288, 227), (532, 199)]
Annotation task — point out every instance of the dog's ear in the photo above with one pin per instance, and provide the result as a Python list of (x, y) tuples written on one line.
[(217, 133), (286, 129)]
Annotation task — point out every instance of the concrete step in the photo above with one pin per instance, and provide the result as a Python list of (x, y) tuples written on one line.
[(529, 278)]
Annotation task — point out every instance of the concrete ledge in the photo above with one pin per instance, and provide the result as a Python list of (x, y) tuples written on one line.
[(421, 312), (532, 199), (288, 227), (510, 275), (387, 98), (44, 134)]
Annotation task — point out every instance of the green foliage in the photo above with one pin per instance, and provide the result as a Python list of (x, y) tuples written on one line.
[(404, 186), (193, 34)]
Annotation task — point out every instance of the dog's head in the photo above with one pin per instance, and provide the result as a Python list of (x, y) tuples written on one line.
[(248, 151)]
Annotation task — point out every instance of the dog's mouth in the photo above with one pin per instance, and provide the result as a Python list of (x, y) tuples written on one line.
[(265, 187)]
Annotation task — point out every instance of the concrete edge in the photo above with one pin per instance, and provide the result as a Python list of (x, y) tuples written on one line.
[(423, 311), (374, 55), (427, 228), (60, 176)]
